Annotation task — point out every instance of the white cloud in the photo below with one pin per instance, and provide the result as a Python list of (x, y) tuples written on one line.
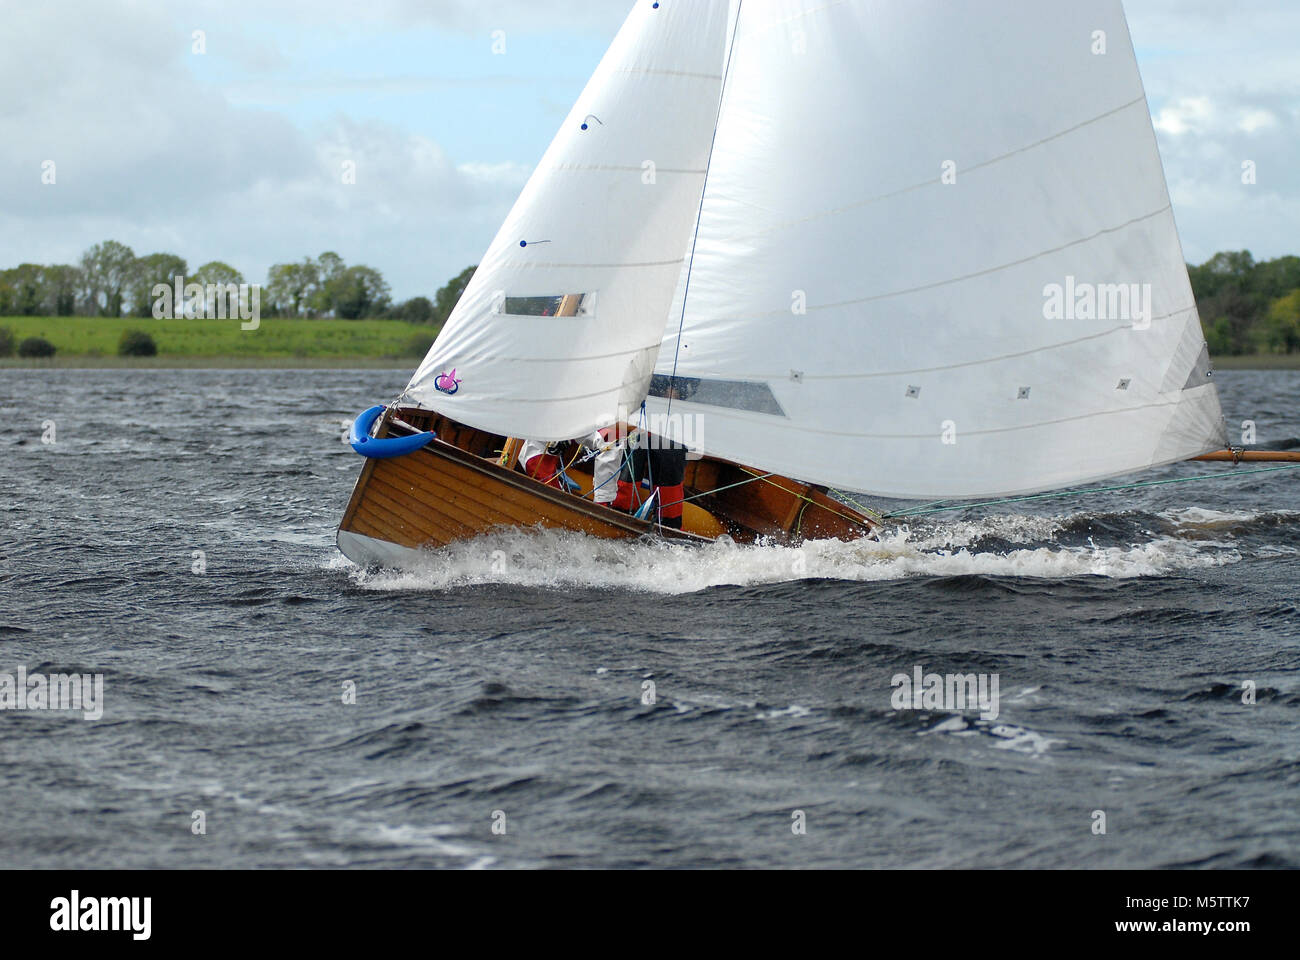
[(1224, 87), (512, 175), (1257, 119), (158, 154), (1188, 115), (146, 155)]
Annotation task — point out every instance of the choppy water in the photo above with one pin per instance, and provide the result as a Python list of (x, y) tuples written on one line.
[(1121, 628)]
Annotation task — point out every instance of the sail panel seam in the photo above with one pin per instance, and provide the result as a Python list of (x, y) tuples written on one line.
[(969, 276), (564, 399), (584, 266), (938, 181), (651, 72), (955, 366), (803, 427), (475, 358)]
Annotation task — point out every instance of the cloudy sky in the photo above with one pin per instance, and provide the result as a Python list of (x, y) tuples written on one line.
[(235, 153)]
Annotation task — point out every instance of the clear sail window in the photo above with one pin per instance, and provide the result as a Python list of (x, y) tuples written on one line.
[(561, 305)]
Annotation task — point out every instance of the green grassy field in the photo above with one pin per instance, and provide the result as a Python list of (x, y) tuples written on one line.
[(92, 341), (1259, 361)]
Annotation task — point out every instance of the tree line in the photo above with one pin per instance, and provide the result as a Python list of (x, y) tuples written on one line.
[(111, 281), (1246, 306)]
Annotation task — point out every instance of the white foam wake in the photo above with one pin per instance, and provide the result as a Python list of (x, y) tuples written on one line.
[(539, 558)]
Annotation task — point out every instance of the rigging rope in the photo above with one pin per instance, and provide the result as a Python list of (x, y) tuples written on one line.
[(926, 509), (764, 477), (807, 500)]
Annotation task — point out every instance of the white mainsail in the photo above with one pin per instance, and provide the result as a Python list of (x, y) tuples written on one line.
[(603, 228), (937, 256)]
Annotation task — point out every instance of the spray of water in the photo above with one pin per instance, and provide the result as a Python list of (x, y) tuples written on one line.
[(539, 558)]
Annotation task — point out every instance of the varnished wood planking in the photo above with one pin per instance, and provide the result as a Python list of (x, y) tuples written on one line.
[(423, 525), (506, 506), (438, 495), (443, 493), (430, 506), (460, 499), (473, 516)]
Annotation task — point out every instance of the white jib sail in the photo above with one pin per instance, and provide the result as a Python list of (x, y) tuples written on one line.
[(561, 325), (937, 257)]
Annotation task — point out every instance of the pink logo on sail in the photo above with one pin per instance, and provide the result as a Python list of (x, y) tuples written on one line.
[(446, 382)]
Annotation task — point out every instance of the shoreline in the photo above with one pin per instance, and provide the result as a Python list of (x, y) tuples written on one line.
[(1259, 361), (193, 362), (92, 343), (91, 362)]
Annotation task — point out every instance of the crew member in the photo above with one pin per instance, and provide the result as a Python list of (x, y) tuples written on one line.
[(607, 445), (656, 465), (541, 461)]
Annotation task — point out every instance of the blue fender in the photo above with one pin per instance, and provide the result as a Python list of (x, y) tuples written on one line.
[(368, 446)]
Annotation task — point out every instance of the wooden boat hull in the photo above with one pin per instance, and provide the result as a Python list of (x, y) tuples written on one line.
[(442, 494), (452, 489)]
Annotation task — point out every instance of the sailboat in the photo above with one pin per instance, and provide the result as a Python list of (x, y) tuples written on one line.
[(904, 248)]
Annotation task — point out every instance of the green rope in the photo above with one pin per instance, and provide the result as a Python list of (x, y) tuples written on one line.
[(921, 511), (847, 498), (718, 489), (926, 509)]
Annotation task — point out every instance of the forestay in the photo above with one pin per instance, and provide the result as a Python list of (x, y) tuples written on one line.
[(561, 325), (937, 256)]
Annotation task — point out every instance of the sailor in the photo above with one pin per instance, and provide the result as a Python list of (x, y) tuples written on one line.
[(541, 461), (607, 445), (667, 470), (654, 471)]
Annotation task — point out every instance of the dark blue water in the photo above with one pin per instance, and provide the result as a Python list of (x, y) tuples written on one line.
[(504, 681)]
